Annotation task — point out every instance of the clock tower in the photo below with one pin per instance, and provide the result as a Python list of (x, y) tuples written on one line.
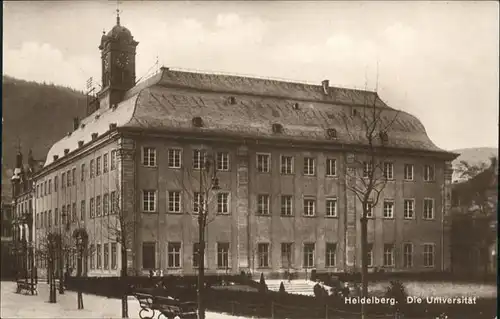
[(118, 49)]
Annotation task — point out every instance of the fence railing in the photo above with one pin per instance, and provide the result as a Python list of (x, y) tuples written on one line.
[(275, 310)]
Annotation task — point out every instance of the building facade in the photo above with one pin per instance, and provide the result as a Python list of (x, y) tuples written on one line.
[(279, 152)]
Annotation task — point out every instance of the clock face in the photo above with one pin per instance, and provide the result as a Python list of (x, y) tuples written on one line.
[(122, 61)]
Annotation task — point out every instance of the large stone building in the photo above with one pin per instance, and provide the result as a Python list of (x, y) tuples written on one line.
[(278, 152)]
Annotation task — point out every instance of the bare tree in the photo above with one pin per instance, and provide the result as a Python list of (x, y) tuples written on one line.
[(468, 171), (199, 183), (119, 227), (366, 176)]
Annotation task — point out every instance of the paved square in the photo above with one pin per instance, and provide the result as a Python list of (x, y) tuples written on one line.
[(26, 306)]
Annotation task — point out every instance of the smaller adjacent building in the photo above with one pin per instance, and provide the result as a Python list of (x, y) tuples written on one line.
[(22, 253), (474, 223)]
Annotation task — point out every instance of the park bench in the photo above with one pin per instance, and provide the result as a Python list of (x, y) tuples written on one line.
[(168, 307), (26, 287)]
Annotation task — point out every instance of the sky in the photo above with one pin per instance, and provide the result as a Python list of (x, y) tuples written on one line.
[(435, 60)]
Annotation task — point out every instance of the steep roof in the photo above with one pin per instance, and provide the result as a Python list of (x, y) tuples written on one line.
[(171, 99)]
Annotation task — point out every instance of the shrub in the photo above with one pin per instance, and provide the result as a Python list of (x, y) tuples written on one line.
[(282, 288), (397, 291), (262, 283)]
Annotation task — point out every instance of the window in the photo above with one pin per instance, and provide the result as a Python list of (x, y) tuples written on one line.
[(45, 188), (106, 256), (56, 217), (388, 170), (309, 255), (174, 202), (68, 211), (68, 179), (286, 205), (114, 258), (149, 156), (263, 163), (331, 251), (369, 209), (309, 207), (92, 256), (82, 172), (223, 203), (388, 208), (37, 191), (174, 158), (98, 166), (196, 255), (148, 255), (309, 166), (367, 169), (92, 168), (286, 255), (408, 172), (197, 203), (74, 213), (370, 255), (263, 204), (82, 210), (331, 207), (50, 186), (222, 161), (429, 173), (428, 255), (331, 167), (286, 165), (50, 218), (174, 255), (105, 204), (263, 251), (199, 159), (113, 159), (407, 255), (428, 208), (409, 208), (98, 205), (73, 175), (92, 208), (388, 255), (56, 183), (63, 215), (223, 255), (63, 180), (99, 256), (113, 203), (149, 201)]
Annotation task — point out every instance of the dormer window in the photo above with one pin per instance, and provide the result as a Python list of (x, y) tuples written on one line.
[(295, 106), (383, 136), (331, 133), (231, 100), (277, 128), (80, 143), (66, 151), (112, 126), (97, 116), (55, 157), (82, 126), (94, 136), (354, 112), (197, 121)]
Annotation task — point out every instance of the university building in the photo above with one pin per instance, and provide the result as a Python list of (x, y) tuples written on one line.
[(277, 153)]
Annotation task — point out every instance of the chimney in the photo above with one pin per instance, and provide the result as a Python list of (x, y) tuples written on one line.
[(76, 123), (80, 143), (325, 84)]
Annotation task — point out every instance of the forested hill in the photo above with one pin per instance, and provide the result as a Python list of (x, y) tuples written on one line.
[(36, 115)]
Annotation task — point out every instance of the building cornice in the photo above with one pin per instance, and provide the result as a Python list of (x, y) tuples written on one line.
[(277, 142)]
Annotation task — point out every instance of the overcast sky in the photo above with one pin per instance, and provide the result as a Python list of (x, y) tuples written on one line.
[(438, 61)]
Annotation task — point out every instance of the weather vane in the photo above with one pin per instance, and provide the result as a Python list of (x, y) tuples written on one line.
[(118, 12)]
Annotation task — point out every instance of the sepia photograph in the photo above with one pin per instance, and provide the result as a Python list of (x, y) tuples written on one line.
[(249, 159)]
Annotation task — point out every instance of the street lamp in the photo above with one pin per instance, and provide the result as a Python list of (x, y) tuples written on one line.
[(202, 221), (80, 236), (52, 243)]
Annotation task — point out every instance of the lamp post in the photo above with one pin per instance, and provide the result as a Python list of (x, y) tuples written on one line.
[(80, 244), (52, 243), (60, 258), (202, 221)]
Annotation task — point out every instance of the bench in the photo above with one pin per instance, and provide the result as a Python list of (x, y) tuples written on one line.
[(26, 287), (168, 307)]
